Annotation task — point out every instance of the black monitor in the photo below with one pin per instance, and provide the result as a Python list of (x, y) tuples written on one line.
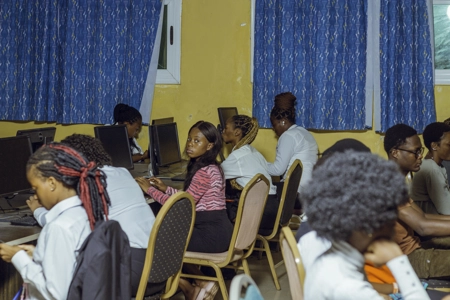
[(39, 136), (14, 155), (116, 143), (162, 121), (224, 114), (164, 146)]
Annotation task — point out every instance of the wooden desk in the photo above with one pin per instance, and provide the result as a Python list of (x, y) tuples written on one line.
[(10, 279)]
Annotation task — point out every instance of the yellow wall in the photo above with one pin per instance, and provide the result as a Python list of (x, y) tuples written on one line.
[(215, 72)]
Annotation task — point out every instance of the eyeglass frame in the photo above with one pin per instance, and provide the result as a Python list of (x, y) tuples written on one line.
[(417, 153)]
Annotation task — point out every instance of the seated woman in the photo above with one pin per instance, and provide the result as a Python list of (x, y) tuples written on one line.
[(294, 142), (204, 181), (132, 118), (335, 251), (430, 189), (57, 173), (244, 162)]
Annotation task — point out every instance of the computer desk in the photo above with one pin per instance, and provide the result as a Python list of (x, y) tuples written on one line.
[(10, 279)]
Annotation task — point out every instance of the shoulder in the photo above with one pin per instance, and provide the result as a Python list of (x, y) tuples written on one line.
[(209, 171), (111, 171)]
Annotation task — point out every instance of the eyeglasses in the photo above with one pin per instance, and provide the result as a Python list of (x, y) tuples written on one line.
[(417, 153)]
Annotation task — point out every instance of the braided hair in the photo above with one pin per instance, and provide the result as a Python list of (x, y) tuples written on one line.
[(284, 107), (212, 135), (249, 127), (74, 171)]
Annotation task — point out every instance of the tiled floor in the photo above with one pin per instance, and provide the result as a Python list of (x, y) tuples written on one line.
[(260, 273)]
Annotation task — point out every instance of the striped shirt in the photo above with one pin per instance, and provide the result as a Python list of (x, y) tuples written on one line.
[(207, 188)]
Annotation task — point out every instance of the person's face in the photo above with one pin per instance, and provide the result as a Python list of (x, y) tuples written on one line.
[(134, 128), (43, 187), (278, 126), (228, 133), (443, 147), (197, 144), (408, 161)]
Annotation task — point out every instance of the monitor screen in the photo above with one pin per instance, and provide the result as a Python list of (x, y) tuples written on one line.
[(115, 141), (39, 136), (162, 121), (224, 114), (164, 145), (14, 155)]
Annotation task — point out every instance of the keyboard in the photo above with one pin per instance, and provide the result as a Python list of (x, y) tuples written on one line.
[(179, 177), (24, 221)]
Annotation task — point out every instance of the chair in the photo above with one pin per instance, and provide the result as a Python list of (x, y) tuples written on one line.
[(251, 205), (287, 202), (293, 262), (244, 281), (168, 241)]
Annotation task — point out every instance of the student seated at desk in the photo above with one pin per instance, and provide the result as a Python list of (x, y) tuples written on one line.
[(128, 206), (56, 172), (244, 162), (132, 118), (204, 181)]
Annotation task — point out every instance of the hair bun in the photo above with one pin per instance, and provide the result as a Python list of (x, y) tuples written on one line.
[(285, 101)]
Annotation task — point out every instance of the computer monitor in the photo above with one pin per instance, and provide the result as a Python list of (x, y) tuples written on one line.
[(162, 121), (116, 143), (14, 155), (224, 114), (164, 146), (39, 136)]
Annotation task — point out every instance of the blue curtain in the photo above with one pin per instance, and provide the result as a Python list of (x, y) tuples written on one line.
[(406, 65), (73, 61), (317, 50)]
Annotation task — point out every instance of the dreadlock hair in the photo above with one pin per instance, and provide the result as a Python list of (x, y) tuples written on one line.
[(248, 126), (367, 191), (74, 171), (209, 158), (397, 135), (91, 147), (284, 107), (125, 113), (434, 132)]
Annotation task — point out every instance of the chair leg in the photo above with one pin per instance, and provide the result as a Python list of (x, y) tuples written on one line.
[(221, 280), (271, 264)]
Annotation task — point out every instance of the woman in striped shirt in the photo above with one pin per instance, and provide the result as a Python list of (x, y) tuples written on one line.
[(205, 182)]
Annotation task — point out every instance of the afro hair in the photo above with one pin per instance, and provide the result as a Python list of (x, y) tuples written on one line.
[(353, 191), (434, 132), (397, 135)]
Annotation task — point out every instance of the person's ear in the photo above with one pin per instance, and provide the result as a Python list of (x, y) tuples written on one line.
[(394, 153), (237, 132), (434, 146), (210, 145), (51, 182)]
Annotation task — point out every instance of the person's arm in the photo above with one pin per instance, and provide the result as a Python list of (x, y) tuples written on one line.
[(37, 209), (438, 193), (200, 184), (423, 223), (285, 151)]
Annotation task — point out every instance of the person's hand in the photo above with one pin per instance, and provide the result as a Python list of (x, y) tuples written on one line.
[(157, 183), (7, 252), (380, 252), (143, 183), (29, 249), (33, 203), (145, 155)]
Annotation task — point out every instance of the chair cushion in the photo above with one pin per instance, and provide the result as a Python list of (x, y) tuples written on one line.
[(216, 258)]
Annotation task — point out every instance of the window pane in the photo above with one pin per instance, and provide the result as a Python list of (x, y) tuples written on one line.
[(162, 60), (441, 36)]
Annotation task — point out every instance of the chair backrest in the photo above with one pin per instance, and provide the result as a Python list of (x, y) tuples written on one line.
[(168, 241), (289, 193), (293, 263), (248, 217), (251, 289)]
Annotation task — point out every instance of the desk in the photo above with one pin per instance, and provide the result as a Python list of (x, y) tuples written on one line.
[(10, 279)]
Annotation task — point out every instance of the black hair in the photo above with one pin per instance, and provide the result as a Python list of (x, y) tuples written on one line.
[(434, 132), (74, 171), (125, 113), (342, 146), (209, 158), (397, 135), (284, 107), (353, 191), (91, 147)]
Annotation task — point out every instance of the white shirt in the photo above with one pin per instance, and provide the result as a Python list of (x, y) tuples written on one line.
[(335, 270), (128, 206), (50, 272), (243, 164), (295, 143)]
